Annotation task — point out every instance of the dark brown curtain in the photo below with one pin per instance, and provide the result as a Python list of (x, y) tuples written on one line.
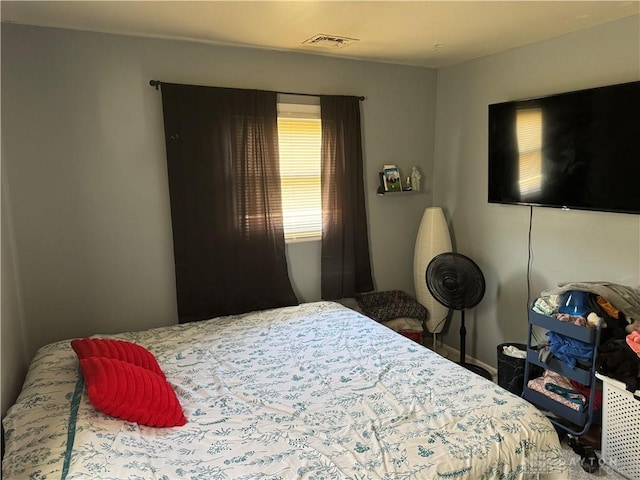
[(226, 207), (346, 267)]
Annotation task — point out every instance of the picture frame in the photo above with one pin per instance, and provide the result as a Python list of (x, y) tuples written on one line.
[(392, 179)]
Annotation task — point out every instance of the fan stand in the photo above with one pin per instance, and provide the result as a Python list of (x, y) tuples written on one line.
[(457, 282), (463, 353)]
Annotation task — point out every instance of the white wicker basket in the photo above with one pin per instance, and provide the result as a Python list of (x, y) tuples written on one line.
[(620, 428)]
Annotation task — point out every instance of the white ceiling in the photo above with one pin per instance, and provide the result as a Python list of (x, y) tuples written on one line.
[(421, 33)]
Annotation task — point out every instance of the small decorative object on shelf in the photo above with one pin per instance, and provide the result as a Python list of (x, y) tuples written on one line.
[(392, 179), (415, 179)]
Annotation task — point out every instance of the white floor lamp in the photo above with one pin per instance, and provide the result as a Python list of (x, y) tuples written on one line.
[(433, 238)]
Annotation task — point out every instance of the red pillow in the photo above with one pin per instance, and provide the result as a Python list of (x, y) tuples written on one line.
[(131, 393), (116, 349)]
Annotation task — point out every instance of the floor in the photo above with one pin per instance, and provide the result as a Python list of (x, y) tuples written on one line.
[(577, 473)]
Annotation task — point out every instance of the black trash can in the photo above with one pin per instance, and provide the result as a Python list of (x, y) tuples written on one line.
[(511, 369)]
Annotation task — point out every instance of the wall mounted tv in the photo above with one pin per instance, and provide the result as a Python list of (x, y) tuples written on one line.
[(576, 150)]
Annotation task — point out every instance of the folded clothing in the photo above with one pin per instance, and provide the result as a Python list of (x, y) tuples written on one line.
[(544, 307), (569, 350), (575, 319), (633, 340), (616, 360), (586, 391), (561, 392), (554, 378), (607, 307)]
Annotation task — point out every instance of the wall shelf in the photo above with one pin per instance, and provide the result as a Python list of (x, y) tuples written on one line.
[(397, 194)]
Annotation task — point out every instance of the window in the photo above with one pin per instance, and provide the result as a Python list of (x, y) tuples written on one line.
[(299, 137)]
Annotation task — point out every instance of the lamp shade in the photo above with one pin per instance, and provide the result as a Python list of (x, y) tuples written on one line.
[(433, 239)]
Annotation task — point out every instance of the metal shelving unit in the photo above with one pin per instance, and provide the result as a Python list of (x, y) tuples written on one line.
[(584, 374)]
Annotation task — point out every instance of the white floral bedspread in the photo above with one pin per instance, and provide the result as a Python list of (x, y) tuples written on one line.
[(310, 392)]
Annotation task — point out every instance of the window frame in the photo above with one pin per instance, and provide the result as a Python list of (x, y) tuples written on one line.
[(303, 107)]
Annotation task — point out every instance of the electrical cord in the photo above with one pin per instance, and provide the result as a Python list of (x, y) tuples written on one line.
[(435, 347), (442, 321), (529, 265), (529, 257)]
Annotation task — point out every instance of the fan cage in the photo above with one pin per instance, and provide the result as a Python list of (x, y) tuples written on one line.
[(455, 280)]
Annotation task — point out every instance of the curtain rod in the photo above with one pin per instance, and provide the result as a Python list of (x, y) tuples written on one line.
[(157, 83)]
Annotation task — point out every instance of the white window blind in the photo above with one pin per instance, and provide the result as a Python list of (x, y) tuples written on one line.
[(299, 135)]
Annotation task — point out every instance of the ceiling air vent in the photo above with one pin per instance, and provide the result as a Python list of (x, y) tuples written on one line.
[(329, 41)]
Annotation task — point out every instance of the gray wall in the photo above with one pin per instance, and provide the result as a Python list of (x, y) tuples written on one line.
[(85, 200), (567, 246), (87, 197), (14, 358)]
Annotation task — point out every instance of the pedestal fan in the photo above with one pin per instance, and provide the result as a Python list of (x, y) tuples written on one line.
[(457, 282)]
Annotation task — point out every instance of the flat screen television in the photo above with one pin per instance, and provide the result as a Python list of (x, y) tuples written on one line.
[(576, 150)]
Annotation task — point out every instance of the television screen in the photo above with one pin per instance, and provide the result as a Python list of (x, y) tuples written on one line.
[(577, 150)]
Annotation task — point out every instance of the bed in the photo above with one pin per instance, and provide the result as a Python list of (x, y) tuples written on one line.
[(315, 391)]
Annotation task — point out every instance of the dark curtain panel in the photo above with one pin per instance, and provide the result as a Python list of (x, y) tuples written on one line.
[(346, 267), (226, 208)]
